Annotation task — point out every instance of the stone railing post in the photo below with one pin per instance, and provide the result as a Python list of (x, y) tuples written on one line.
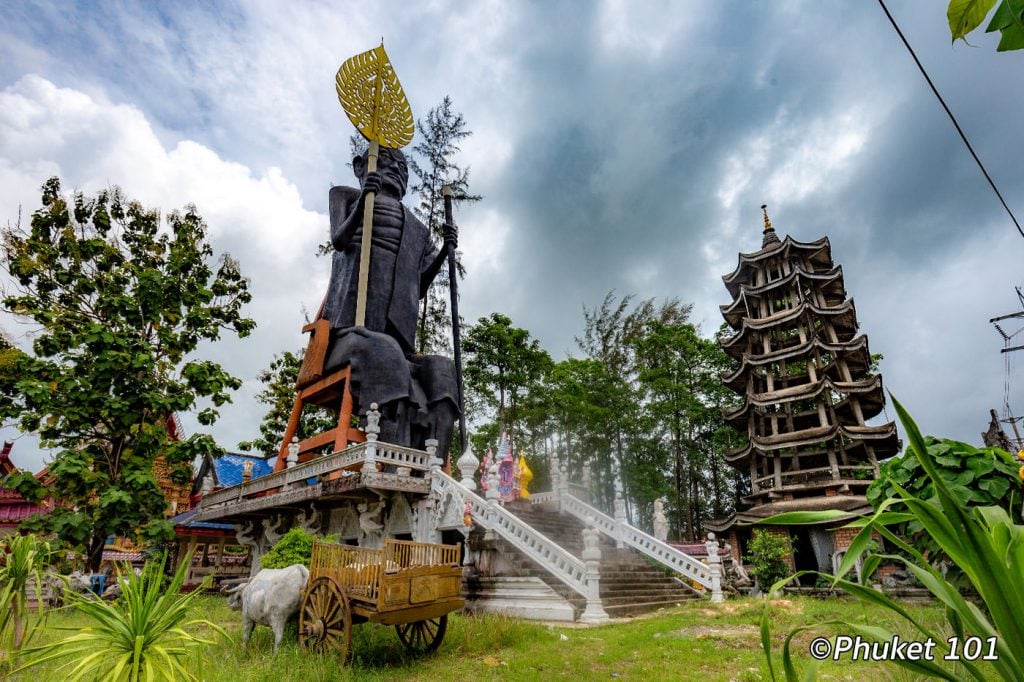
[(493, 495), (555, 479), (433, 461), (563, 485), (588, 482), (468, 464), (620, 516), (594, 612), (372, 433), (293, 456), (715, 568)]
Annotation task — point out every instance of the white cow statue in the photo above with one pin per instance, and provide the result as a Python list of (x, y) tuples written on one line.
[(270, 598)]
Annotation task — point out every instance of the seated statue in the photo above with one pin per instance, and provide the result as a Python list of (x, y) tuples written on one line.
[(417, 394)]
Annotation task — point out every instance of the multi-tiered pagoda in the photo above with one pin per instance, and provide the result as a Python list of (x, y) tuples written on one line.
[(808, 392)]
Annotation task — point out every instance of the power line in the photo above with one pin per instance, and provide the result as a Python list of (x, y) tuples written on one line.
[(951, 117)]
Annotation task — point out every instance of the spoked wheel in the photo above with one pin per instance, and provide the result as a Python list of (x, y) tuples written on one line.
[(325, 621), (423, 636)]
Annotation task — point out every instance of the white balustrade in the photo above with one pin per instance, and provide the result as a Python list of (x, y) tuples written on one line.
[(491, 516), (634, 537), (350, 458)]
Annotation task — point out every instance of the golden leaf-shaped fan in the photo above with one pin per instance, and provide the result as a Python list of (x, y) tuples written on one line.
[(372, 97)]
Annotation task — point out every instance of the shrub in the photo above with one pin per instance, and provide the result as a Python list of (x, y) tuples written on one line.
[(294, 547), (768, 553), (22, 559), (976, 477)]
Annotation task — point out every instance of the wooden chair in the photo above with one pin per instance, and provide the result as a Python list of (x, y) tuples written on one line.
[(313, 388)]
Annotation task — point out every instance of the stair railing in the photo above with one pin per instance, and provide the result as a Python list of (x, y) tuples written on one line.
[(581, 576), (662, 552)]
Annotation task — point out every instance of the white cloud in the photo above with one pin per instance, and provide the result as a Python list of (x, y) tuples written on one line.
[(258, 217)]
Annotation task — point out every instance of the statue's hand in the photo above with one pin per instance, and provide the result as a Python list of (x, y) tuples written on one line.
[(451, 235), (371, 183)]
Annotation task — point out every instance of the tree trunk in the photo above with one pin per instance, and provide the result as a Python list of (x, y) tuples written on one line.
[(94, 554)]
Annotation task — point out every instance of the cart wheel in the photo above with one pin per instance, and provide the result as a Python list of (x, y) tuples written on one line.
[(423, 636), (325, 620)]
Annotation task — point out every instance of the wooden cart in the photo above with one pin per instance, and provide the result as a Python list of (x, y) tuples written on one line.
[(411, 585)]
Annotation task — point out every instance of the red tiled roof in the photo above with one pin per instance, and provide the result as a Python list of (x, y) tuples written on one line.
[(15, 513)]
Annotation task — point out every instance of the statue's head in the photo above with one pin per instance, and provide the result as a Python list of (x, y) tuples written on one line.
[(393, 169)]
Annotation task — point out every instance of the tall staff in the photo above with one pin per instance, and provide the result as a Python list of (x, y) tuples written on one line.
[(453, 285), (374, 101)]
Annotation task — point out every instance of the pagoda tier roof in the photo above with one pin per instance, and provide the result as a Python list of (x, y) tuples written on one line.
[(831, 282), (854, 352), (883, 436), (854, 506), (842, 316), (868, 391), (819, 251)]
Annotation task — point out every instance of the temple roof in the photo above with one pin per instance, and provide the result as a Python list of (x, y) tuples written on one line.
[(868, 391), (853, 505), (883, 436), (854, 352), (744, 304), (184, 522), (228, 469), (819, 251), (843, 318)]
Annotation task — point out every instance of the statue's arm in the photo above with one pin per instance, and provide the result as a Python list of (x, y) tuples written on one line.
[(346, 215), (435, 259)]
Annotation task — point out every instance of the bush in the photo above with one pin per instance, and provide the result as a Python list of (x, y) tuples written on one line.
[(295, 547), (769, 554)]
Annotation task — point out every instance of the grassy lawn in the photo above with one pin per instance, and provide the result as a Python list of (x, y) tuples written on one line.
[(696, 641)]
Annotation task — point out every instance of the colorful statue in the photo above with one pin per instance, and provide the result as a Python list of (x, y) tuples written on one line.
[(508, 488), (485, 467), (525, 476)]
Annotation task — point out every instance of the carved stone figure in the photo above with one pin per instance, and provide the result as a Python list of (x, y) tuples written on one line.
[(418, 394), (272, 530), (370, 526), (308, 522), (660, 521)]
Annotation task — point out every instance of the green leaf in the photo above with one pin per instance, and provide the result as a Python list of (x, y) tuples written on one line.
[(1012, 39), (966, 15)]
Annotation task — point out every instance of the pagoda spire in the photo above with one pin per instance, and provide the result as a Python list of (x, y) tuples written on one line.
[(769, 232)]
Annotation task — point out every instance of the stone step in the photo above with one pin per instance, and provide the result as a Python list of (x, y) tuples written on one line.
[(640, 591), (613, 602), (626, 610)]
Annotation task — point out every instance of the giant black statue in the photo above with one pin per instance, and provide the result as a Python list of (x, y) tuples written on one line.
[(417, 394)]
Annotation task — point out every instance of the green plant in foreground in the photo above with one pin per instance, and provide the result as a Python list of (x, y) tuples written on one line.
[(22, 558), (983, 542), (141, 636)]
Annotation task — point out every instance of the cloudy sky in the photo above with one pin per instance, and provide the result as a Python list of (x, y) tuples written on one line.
[(618, 145)]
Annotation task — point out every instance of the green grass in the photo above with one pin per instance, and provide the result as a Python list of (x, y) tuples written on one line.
[(697, 640)]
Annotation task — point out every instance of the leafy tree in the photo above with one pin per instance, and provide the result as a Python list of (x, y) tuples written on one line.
[(279, 394), (609, 337), (122, 300), (679, 372), (966, 15), (433, 166), (502, 365)]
